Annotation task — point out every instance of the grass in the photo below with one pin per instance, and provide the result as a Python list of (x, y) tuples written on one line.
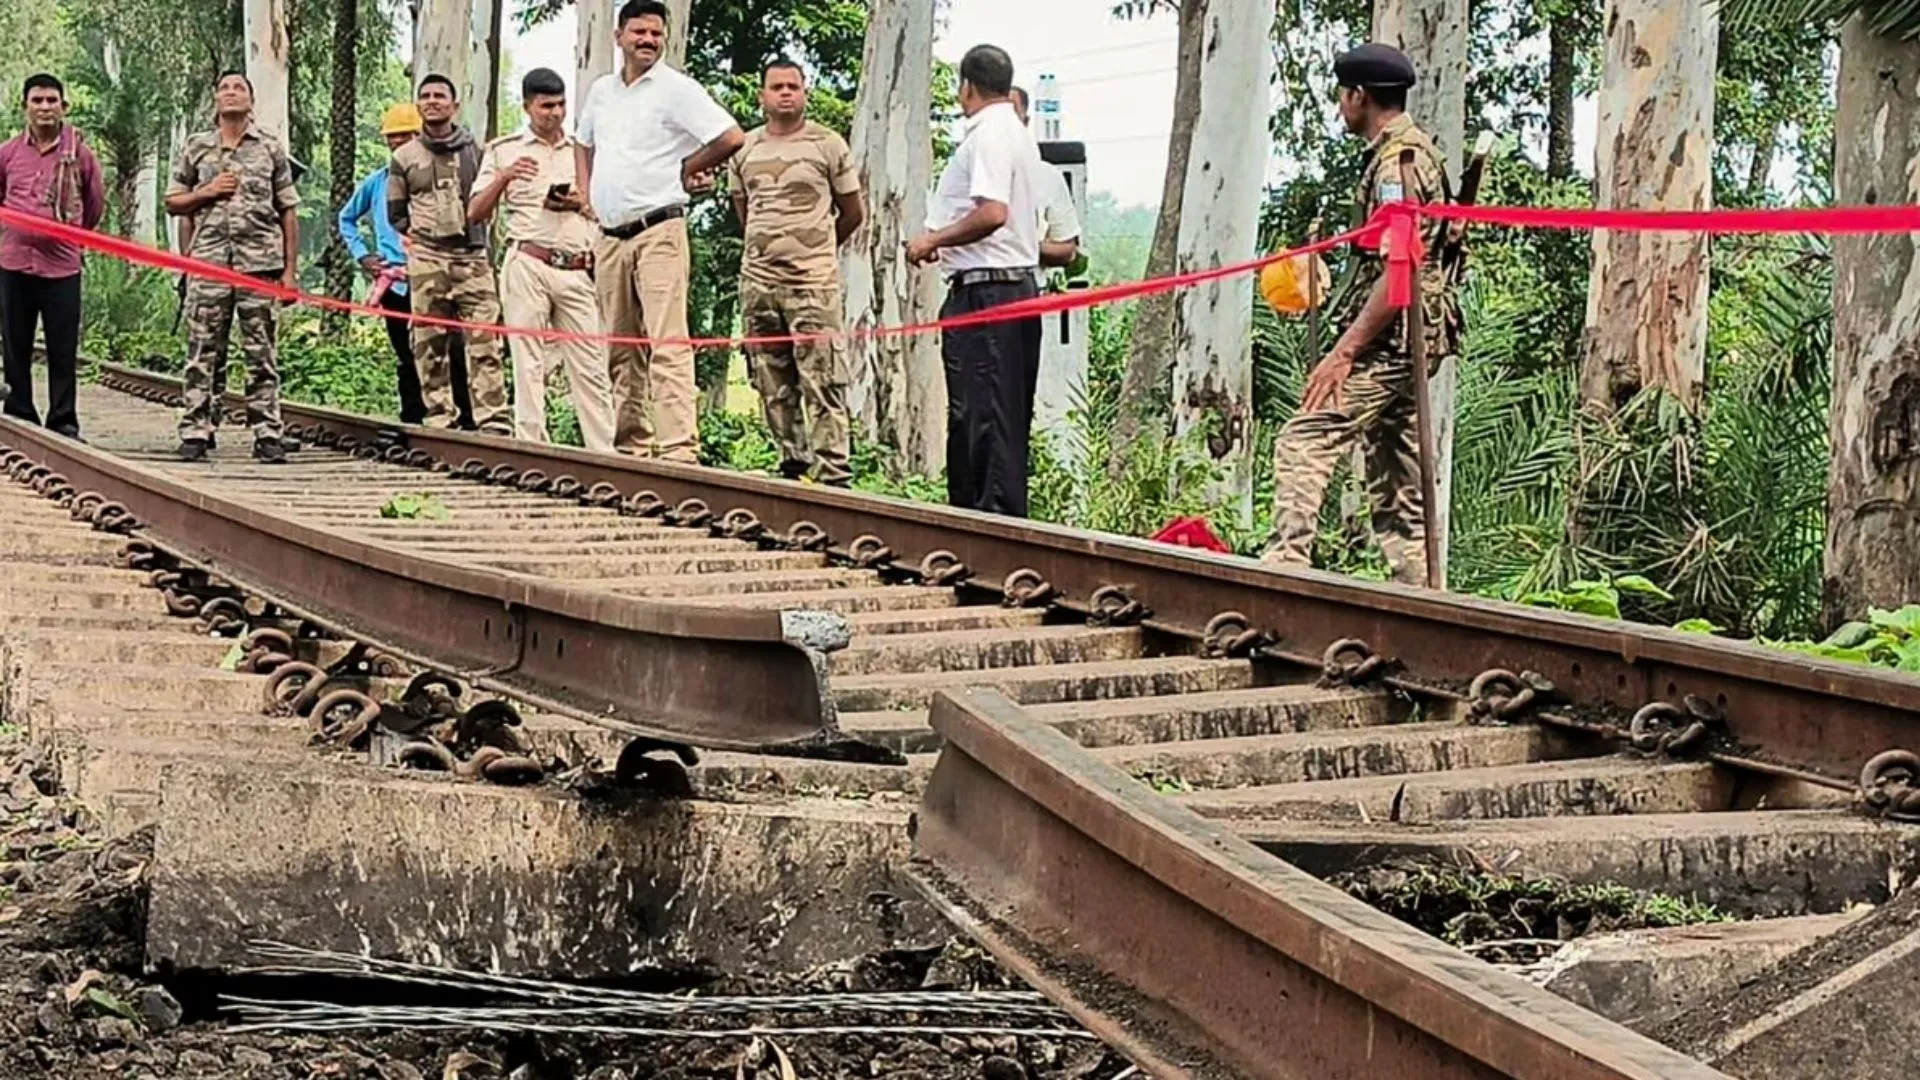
[(1470, 908)]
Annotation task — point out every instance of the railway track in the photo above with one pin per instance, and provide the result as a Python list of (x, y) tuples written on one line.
[(1332, 724)]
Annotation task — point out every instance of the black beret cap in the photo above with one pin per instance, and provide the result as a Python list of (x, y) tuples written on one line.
[(1373, 64)]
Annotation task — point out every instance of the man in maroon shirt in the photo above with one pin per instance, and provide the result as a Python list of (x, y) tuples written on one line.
[(48, 172)]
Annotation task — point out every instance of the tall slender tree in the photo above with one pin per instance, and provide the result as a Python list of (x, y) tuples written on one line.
[(1150, 351), (342, 138), (899, 394), (1873, 491), (1647, 304), (1219, 225), (269, 65)]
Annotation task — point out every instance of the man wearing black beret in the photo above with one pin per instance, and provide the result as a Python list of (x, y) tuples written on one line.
[(1362, 390)]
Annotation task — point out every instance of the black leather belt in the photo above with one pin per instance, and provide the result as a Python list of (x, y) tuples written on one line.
[(646, 221), (996, 276)]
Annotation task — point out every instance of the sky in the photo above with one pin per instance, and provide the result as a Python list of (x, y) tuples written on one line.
[(1115, 77)]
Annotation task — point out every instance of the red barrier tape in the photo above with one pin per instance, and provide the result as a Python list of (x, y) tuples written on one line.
[(1829, 220), (1395, 224), (141, 254)]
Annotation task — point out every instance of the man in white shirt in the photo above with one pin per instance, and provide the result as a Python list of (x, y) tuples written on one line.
[(984, 229), (1059, 221), (648, 137), (546, 280)]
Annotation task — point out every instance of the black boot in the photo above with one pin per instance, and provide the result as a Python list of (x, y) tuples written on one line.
[(269, 451), (193, 450)]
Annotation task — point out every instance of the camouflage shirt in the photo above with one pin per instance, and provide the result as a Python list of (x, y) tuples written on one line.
[(243, 230), (789, 183), (1381, 184)]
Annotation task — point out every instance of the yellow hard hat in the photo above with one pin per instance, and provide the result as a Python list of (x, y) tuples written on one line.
[(402, 119), (1285, 284)]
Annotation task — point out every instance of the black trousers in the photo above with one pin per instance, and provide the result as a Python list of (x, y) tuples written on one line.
[(991, 372), (27, 300), (413, 407)]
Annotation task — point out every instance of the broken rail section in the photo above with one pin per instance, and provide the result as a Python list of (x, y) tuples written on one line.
[(698, 675), (1199, 955)]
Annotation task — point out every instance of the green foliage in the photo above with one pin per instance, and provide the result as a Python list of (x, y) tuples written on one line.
[(415, 506), (1473, 907), (1889, 639), (1598, 597)]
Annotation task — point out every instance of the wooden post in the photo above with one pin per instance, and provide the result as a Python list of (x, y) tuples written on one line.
[(1423, 408)]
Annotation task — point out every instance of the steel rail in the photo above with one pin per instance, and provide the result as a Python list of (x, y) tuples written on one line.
[(1818, 714), (1199, 955), (700, 675)]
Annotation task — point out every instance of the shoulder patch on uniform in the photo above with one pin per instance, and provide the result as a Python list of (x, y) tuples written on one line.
[(1391, 190)]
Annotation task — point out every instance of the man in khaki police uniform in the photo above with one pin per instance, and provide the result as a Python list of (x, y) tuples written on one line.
[(546, 281)]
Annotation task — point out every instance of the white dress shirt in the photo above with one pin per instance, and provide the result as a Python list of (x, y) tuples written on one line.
[(1059, 221), (640, 133), (997, 160)]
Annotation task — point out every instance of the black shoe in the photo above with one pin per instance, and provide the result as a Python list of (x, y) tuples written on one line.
[(74, 435), (212, 442), (193, 450), (269, 451)]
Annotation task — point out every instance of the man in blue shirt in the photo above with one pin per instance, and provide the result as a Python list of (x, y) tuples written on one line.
[(388, 267)]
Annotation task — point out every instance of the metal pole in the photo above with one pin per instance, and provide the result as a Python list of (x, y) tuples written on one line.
[(1423, 407), (1313, 297)]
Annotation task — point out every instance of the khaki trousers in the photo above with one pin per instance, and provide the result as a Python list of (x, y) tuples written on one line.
[(542, 297), (643, 293)]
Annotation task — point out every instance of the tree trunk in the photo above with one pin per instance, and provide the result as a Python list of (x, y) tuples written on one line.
[(678, 14), (592, 45), (1647, 304), (480, 93), (342, 141), (1873, 491), (146, 198), (269, 54), (899, 392), (1433, 34), (1761, 170), (1150, 352), (1560, 71), (442, 36), (1220, 225)]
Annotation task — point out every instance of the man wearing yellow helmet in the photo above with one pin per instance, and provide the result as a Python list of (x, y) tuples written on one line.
[(386, 264), (1362, 391)]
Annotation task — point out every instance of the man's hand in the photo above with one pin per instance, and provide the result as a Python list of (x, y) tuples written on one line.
[(221, 187), (1324, 383), (922, 249), (570, 202), (373, 265), (290, 280), (522, 169), (696, 183)]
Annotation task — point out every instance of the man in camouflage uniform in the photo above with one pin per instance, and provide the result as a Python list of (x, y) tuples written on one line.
[(235, 187), (1363, 389), (798, 197), (429, 183)]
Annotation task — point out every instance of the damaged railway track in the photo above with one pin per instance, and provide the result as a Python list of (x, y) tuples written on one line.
[(1145, 756)]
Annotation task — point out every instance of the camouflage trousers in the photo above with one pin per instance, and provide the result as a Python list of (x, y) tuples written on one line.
[(212, 309), (802, 385), (458, 287), (1377, 410)]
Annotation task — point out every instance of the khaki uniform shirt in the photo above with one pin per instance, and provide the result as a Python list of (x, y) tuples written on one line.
[(523, 203), (242, 230), (428, 183), (790, 182), (1381, 184)]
